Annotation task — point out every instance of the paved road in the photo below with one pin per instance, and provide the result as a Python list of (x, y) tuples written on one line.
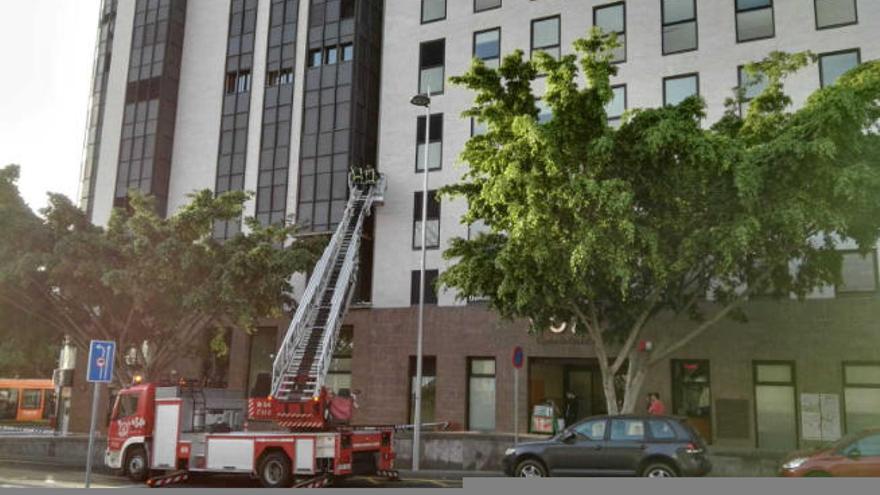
[(14, 474)]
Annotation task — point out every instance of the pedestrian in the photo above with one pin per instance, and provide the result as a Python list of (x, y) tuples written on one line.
[(655, 405), (571, 408)]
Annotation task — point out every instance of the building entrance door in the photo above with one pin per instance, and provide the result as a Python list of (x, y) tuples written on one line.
[(775, 406), (578, 389)]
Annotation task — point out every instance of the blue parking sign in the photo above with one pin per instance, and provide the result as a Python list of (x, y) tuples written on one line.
[(101, 353)]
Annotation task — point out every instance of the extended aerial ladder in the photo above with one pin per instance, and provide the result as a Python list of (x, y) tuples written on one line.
[(303, 360)]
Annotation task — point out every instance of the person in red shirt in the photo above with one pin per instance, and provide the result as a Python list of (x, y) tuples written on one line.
[(655, 405)]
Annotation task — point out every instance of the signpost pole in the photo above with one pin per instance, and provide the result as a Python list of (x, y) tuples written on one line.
[(515, 407), (518, 358), (100, 370), (95, 393)]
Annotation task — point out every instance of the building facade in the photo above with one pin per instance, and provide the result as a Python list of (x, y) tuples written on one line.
[(282, 97)]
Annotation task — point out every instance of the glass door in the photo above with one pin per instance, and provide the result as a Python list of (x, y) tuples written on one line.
[(775, 405)]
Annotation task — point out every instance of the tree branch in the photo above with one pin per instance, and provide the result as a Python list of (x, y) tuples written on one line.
[(708, 323), (636, 330)]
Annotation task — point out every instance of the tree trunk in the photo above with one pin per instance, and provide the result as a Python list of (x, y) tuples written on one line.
[(636, 372), (610, 391)]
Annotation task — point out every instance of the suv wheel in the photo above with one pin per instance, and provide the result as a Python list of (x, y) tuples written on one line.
[(658, 470), (530, 468)]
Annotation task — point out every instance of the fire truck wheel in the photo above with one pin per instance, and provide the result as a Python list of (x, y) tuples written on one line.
[(275, 471), (136, 464)]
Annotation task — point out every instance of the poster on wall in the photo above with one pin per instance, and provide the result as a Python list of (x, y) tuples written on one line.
[(820, 417)]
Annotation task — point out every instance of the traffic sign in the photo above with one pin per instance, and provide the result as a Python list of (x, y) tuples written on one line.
[(101, 353), (517, 357)]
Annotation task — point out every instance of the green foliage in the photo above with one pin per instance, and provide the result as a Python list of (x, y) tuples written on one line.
[(166, 281), (607, 227)]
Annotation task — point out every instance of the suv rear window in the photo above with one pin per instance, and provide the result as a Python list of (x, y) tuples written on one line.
[(661, 430)]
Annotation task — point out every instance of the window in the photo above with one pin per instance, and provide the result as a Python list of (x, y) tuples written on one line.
[(627, 430), (435, 143), (775, 407), (339, 373), (8, 403), (238, 82), (592, 430), (478, 127), (347, 52), (331, 55), (279, 77), (261, 356), (661, 430), (754, 20), (614, 109), (678, 88), (128, 405), (433, 10), (487, 46), (545, 113), (692, 394), (835, 13), (315, 57), (432, 56), (481, 5), (861, 395), (868, 446), (751, 86), (545, 36), (429, 388), (612, 19), (30, 398), (430, 287), (679, 26), (834, 65), (858, 272), (346, 9), (481, 394), (432, 233)]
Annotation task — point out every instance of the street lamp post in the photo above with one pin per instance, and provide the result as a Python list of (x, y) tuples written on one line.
[(421, 100)]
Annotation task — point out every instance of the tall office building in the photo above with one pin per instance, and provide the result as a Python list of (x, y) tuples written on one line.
[(282, 97)]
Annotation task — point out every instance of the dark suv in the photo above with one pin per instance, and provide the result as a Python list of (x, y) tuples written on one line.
[(652, 446)]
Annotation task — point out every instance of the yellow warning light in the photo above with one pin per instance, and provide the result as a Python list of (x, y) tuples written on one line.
[(138, 379), (316, 398)]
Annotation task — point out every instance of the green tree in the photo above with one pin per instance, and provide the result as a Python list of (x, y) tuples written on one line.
[(28, 348), (604, 229), (154, 285)]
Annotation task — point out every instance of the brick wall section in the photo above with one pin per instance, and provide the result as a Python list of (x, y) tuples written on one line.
[(817, 334)]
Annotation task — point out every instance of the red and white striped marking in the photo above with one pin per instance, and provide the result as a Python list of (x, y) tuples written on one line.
[(391, 475), (318, 482), (168, 479)]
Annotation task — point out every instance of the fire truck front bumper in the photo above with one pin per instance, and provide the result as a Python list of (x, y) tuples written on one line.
[(113, 459)]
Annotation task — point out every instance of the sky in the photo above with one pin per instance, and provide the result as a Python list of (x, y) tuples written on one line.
[(46, 50)]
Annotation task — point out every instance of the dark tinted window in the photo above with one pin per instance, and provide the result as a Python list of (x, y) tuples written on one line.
[(30, 399), (627, 430), (661, 430), (594, 430), (433, 53), (128, 406)]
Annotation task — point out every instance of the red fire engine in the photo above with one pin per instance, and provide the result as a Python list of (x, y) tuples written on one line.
[(296, 436)]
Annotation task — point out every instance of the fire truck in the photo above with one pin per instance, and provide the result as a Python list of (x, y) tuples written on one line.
[(298, 434)]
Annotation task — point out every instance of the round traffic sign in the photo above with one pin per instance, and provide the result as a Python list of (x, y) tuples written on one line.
[(518, 357), (100, 362)]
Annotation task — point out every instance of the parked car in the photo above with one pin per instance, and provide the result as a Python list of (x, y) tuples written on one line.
[(652, 446), (857, 454)]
